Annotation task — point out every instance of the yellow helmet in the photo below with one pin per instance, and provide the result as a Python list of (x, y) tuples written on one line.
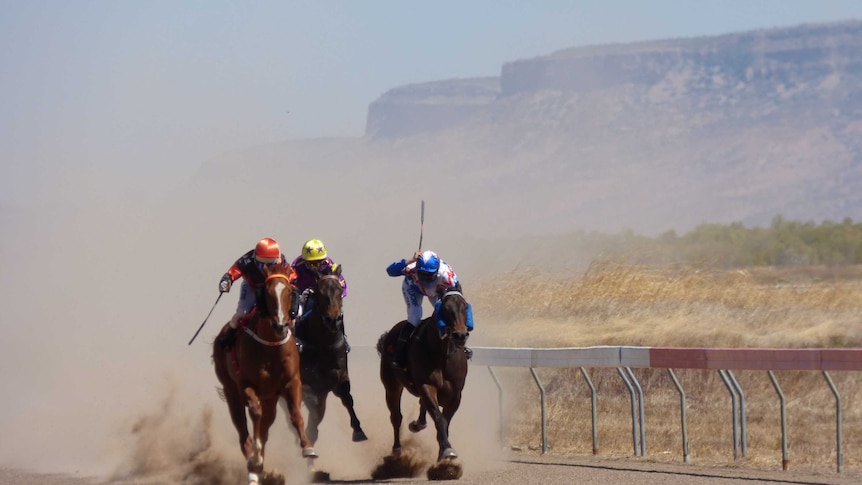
[(313, 250)]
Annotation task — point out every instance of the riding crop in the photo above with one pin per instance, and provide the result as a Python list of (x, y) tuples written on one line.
[(205, 319)]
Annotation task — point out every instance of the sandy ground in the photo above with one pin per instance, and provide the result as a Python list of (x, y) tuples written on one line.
[(170, 445), (101, 386), (523, 468)]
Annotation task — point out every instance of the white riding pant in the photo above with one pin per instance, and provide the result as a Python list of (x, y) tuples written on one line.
[(245, 304), (413, 298)]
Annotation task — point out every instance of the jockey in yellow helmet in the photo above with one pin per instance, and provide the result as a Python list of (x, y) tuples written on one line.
[(307, 266)]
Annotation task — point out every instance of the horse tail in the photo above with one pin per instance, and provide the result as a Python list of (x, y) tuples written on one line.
[(381, 342)]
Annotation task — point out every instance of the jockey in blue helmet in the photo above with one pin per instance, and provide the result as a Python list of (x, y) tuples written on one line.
[(425, 275)]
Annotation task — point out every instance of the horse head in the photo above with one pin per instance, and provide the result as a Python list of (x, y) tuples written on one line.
[(328, 296), (451, 315), (277, 296)]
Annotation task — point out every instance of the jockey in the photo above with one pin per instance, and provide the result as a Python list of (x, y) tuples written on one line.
[(249, 267), (424, 275), (312, 260)]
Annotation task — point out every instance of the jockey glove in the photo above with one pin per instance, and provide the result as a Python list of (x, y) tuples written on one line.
[(224, 284)]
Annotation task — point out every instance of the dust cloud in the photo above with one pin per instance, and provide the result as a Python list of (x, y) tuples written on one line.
[(102, 290)]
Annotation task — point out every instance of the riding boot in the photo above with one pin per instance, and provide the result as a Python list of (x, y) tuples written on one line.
[(293, 313), (226, 340), (399, 357), (297, 328)]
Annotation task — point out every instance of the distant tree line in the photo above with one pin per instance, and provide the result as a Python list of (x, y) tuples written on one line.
[(783, 243)]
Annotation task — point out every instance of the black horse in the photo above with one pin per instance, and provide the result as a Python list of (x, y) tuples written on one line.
[(323, 360), (435, 372)]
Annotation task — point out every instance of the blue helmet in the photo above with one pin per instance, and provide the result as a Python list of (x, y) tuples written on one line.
[(428, 262)]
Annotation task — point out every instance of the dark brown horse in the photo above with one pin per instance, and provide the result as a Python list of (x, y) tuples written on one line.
[(263, 367), (324, 355), (436, 370)]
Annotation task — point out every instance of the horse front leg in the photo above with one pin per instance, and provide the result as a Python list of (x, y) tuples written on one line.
[(316, 405), (267, 417), (292, 394), (420, 423), (236, 407), (253, 445), (342, 390), (450, 407), (428, 396)]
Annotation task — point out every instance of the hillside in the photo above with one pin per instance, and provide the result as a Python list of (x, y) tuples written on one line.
[(649, 136)]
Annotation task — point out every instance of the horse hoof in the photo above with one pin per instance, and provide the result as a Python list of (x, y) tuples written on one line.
[(255, 463), (416, 427), (359, 436), (309, 453), (448, 453)]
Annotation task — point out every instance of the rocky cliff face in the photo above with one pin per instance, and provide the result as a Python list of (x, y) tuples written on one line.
[(650, 137), (752, 71), (670, 133), (428, 107)]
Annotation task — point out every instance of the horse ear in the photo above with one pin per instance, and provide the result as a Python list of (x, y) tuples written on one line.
[(336, 269)]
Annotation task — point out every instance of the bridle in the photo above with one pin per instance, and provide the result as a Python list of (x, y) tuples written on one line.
[(444, 328), (275, 320), (329, 322)]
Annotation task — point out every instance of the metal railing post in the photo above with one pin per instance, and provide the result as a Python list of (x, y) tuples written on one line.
[(640, 409), (634, 410), (544, 414), (742, 440), (500, 404), (785, 461), (685, 452), (730, 389), (592, 410), (840, 455)]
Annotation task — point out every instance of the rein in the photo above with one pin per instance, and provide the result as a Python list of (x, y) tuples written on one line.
[(339, 340), (268, 343), (255, 336)]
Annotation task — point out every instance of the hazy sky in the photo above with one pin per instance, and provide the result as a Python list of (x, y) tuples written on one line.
[(113, 97), (152, 89)]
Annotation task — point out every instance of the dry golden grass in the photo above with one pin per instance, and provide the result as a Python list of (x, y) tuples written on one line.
[(621, 304)]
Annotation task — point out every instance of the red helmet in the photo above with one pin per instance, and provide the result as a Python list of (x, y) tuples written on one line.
[(267, 251)]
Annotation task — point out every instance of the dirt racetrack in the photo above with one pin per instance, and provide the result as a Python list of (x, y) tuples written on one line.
[(169, 448), (531, 468)]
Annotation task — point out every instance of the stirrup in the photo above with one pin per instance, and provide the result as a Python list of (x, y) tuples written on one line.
[(469, 352)]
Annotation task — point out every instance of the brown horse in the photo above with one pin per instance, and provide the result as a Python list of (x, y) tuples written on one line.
[(436, 370), (263, 366), (324, 353)]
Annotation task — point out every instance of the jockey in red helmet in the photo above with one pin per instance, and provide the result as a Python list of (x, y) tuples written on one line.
[(249, 267)]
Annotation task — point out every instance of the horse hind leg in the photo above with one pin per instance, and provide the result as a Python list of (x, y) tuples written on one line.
[(393, 402), (342, 390)]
